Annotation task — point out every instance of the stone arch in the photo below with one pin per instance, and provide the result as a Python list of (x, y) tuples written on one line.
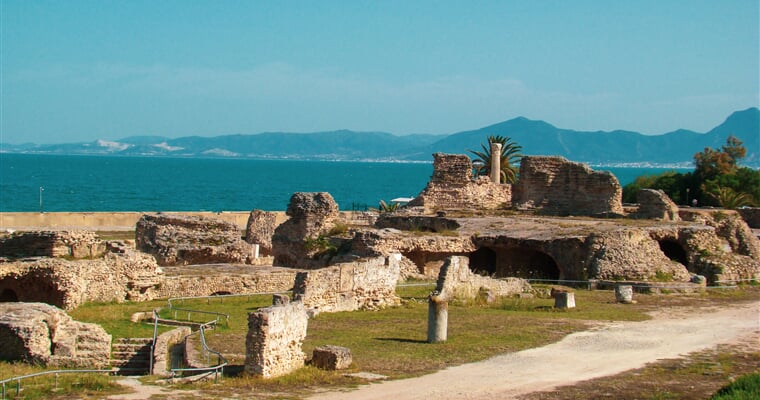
[(8, 295), (525, 262), (33, 288), (674, 251), (483, 261)]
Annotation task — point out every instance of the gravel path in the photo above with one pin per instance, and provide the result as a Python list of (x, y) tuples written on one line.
[(603, 351)]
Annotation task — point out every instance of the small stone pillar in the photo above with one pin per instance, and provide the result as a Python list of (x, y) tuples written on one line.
[(438, 319), (624, 294), (496, 163), (564, 299)]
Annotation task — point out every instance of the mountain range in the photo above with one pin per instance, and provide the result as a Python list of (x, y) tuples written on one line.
[(536, 138)]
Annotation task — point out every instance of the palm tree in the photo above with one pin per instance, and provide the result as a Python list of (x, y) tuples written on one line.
[(510, 157), (730, 199)]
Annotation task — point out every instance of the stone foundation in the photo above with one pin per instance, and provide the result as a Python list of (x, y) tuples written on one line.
[(73, 244), (457, 282)]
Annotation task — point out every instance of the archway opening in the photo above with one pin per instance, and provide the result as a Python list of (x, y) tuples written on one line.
[(483, 261), (674, 251), (8, 295), (526, 263)]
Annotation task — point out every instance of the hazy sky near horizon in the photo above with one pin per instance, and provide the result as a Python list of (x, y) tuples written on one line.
[(83, 70)]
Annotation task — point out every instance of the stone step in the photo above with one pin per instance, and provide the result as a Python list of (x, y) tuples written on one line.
[(130, 363), (125, 355), (133, 340), (126, 371), (135, 348)]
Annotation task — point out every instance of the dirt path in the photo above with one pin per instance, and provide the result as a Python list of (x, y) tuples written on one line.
[(603, 351)]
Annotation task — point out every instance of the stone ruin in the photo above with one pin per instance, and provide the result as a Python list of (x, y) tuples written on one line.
[(655, 204), (456, 281), (182, 240), (71, 244), (130, 275), (39, 333), (274, 340), (556, 186), (260, 229), (453, 186), (301, 241), (365, 284)]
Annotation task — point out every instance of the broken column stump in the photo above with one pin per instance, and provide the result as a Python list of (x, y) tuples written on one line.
[(624, 294), (331, 358), (438, 319)]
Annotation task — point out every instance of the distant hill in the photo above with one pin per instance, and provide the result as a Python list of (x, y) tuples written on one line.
[(536, 138)]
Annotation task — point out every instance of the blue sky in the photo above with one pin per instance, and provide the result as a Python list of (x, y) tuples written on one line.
[(85, 70)]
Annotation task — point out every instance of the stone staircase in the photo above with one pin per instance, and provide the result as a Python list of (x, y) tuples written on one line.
[(131, 356)]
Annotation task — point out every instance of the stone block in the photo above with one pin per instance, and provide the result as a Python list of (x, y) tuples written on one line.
[(564, 300), (274, 340), (624, 294), (331, 358)]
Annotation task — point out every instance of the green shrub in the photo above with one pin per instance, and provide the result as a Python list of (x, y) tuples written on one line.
[(746, 387)]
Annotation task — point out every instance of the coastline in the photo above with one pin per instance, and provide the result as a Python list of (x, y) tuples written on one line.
[(106, 221)]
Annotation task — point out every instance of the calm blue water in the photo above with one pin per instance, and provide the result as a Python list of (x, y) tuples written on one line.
[(93, 183)]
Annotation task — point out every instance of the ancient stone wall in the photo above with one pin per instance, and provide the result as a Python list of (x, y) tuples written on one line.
[(274, 340), (457, 282), (367, 284), (257, 281), (74, 244), (260, 229), (453, 187), (39, 333), (299, 242), (182, 240), (162, 347), (557, 186), (67, 284), (655, 204)]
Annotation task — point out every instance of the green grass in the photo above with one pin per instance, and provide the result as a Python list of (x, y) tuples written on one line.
[(66, 385), (746, 387), (114, 317)]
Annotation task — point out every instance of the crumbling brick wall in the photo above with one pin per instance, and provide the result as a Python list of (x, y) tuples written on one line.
[(557, 186), (452, 186), (274, 340)]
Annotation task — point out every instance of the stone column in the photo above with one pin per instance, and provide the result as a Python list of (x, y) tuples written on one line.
[(438, 319), (496, 163)]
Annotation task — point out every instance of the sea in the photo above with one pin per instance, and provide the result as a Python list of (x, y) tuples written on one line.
[(58, 183)]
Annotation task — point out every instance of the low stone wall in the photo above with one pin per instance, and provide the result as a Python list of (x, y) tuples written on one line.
[(274, 340), (258, 281), (163, 345), (365, 284), (457, 282), (104, 221)]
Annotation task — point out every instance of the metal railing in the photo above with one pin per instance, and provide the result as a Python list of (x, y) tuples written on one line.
[(217, 369), (153, 343), (18, 379)]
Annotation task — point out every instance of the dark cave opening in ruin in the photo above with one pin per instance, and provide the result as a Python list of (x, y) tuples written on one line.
[(674, 251), (521, 262), (8, 295)]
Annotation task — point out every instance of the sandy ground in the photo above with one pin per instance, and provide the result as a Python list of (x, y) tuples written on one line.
[(606, 350)]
